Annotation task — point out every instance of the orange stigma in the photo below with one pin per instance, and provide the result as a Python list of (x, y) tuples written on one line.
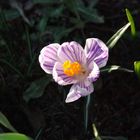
[(71, 68)]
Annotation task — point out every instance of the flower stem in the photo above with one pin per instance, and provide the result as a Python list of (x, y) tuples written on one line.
[(86, 112)]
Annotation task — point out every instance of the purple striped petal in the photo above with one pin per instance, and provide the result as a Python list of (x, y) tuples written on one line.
[(71, 51), (96, 51), (78, 90), (60, 77), (94, 74), (48, 57)]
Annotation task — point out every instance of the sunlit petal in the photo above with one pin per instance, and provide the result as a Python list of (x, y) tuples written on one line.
[(72, 51), (95, 72), (48, 57), (78, 90), (96, 51)]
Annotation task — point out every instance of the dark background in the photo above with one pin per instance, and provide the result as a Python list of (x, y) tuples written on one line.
[(29, 98)]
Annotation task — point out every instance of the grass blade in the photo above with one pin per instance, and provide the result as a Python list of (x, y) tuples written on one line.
[(95, 132), (28, 42), (114, 39), (37, 137), (12, 67), (15, 4), (137, 68), (131, 21), (115, 67), (4, 121)]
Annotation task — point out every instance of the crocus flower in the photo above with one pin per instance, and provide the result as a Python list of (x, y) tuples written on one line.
[(69, 64)]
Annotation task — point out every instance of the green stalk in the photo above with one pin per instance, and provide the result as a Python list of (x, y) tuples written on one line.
[(4, 24), (86, 112), (31, 65)]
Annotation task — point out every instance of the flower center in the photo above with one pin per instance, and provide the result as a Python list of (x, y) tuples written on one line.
[(72, 68)]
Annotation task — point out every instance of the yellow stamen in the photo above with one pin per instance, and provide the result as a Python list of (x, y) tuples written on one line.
[(71, 69)]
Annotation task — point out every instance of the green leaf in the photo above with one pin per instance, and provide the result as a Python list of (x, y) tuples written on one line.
[(91, 15), (115, 67), (114, 39), (92, 3), (4, 121), (137, 68), (13, 136), (42, 24), (11, 14), (131, 21), (71, 5), (57, 12), (53, 13), (60, 32), (36, 89), (45, 1), (15, 4)]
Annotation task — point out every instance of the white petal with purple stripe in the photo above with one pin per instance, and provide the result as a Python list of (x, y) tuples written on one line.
[(48, 57), (78, 90), (95, 72), (72, 96), (96, 51), (72, 51)]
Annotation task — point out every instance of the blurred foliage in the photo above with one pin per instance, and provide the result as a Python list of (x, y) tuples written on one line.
[(13, 136), (26, 26), (36, 89), (71, 14), (4, 121), (137, 68)]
